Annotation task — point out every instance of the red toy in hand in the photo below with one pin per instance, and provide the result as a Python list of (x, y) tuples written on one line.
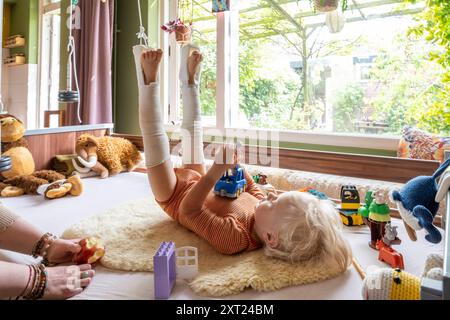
[(92, 250)]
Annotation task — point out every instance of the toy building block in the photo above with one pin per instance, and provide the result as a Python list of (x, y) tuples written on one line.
[(165, 274), (260, 179), (390, 256), (187, 263), (364, 209), (350, 198), (379, 216), (350, 204)]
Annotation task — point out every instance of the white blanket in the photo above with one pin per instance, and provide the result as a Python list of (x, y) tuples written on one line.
[(56, 216)]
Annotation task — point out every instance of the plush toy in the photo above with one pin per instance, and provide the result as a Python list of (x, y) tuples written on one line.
[(395, 284), (15, 147), (106, 155), (417, 204), (22, 179), (61, 188)]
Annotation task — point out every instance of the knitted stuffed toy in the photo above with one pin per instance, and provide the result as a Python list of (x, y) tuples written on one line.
[(395, 284), (417, 204)]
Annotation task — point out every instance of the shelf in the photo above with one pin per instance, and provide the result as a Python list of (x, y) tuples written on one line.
[(15, 64), (14, 61), (16, 41), (14, 46)]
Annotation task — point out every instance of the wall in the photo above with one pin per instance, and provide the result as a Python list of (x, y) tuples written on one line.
[(127, 25), (25, 21), (19, 83)]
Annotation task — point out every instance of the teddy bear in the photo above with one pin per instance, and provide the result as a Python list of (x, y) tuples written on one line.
[(107, 156), (15, 147), (22, 178)]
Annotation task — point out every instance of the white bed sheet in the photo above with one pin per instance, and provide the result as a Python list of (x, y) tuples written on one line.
[(100, 195)]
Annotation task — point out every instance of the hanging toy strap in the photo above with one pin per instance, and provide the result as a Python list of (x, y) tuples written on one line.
[(142, 36)]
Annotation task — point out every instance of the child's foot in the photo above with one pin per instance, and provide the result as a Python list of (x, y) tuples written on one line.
[(194, 62), (150, 61)]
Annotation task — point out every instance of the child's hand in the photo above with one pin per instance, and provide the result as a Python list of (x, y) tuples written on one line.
[(227, 157)]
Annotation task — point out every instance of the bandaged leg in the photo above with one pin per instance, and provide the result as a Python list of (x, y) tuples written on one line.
[(186, 52), (192, 130), (156, 142)]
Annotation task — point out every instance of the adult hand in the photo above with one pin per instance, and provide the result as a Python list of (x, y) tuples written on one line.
[(67, 282), (62, 251)]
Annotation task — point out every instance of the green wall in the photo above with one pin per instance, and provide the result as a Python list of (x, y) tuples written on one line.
[(64, 41), (126, 100), (127, 25), (25, 21)]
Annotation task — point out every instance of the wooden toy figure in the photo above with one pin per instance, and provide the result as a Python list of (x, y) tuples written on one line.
[(379, 216)]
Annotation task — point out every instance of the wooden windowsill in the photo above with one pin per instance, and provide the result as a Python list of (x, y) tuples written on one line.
[(359, 166)]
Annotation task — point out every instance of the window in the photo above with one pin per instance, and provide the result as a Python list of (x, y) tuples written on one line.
[(281, 67), (49, 58)]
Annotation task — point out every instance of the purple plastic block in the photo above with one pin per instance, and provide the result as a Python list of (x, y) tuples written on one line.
[(165, 270)]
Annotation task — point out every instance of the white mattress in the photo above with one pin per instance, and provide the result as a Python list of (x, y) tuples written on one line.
[(56, 216)]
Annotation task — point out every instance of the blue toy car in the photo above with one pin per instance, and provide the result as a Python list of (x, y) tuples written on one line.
[(232, 184)]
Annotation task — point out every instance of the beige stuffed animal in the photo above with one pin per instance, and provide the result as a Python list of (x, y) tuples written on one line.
[(105, 156)]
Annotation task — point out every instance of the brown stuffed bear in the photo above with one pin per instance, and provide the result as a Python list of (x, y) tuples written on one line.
[(106, 155), (22, 179), (15, 147)]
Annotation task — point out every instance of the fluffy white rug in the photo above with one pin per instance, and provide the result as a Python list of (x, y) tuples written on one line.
[(133, 232)]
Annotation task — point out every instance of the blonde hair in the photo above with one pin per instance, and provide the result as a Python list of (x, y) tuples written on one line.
[(311, 230)]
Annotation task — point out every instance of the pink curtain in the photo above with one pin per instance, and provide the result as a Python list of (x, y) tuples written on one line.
[(94, 44)]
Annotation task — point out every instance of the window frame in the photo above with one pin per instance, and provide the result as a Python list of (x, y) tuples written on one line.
[(227, 96), (43, 10)]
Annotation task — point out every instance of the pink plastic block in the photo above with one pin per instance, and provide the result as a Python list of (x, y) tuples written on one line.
[(164, 265)]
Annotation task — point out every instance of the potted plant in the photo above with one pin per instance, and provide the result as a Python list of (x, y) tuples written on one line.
[(182, 31), (328, 5)]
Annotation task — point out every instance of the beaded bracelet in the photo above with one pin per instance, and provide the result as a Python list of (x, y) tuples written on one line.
[(29, 294), (43, 283), (49, 243), (39, 285), (42, 244), (30, 274)]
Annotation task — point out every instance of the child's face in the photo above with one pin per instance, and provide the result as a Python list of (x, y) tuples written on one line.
[(268, 214)]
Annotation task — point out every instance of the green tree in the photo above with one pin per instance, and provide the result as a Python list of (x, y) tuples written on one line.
[(349, 104), (405, 86), (434, 25)]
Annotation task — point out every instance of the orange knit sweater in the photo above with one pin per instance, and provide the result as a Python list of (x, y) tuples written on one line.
[(227, 224)]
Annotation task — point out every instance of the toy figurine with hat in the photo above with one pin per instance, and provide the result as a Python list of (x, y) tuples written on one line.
[(417, 204), (376, 214)]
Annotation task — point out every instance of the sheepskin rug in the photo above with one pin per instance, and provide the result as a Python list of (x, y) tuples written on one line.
[(133, 232)]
